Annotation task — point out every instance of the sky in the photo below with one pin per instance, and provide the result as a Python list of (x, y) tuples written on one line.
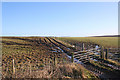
[(61, 19)]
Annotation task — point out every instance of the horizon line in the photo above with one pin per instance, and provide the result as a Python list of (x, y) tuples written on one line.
[(59, 36)]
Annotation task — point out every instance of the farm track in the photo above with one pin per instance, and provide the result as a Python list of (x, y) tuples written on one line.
[(98, 71), (87, 65), (57, 45)]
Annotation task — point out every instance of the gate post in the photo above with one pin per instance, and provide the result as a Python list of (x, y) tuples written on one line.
[(72, 57), (102, 52), (82, 46), (106, 53)]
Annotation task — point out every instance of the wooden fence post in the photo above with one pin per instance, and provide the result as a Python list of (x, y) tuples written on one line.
[(106, 54), (102, 52), (55, 62), (82, 46), (13, 68), (30, 67), (72, 57)]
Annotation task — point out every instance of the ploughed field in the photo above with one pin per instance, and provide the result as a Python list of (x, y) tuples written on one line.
[(39, 57)]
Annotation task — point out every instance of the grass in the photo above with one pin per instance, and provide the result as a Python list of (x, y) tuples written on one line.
[(108, 42), (117, 63), (101, 65), (86, 73)]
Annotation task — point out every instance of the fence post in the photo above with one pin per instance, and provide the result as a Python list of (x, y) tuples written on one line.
[(30, 67), (82, 46), (102, 52), (13, 68), (72, 57), (55, 60), (106, 55)]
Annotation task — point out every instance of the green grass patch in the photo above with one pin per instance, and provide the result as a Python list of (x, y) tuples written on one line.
[(109, 42)]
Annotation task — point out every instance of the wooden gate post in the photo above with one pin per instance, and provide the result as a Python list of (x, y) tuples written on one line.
[(82, 46), (72, 57), (102, 52), (106, 53)]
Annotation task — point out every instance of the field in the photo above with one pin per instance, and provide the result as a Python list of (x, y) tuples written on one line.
[(39, 57), (108, 42), (51, 57)]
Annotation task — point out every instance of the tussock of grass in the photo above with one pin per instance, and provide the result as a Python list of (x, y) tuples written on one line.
[(86, 73)]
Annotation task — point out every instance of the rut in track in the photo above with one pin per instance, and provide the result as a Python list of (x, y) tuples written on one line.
[(89, 67), (62, 48)]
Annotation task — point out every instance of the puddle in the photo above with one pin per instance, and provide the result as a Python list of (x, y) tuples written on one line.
[(68, 56), (75, 60), (97, 47), (93, 59), (97, 53), (68, 48), (113, 66), (54, 51), (110, 65), (60, 49)]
